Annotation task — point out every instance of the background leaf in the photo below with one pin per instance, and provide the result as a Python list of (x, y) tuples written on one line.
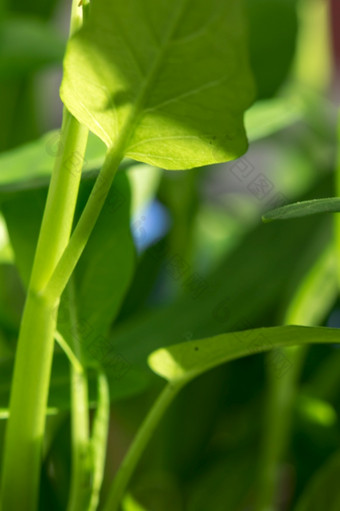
[(305, 208), (102, 277), (209, 306), (273, 28), (28, 45), (183, 362), (121, 74), (323, 490), (30, 165)]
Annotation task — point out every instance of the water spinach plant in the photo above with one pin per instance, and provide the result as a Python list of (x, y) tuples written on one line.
[(146, 85)]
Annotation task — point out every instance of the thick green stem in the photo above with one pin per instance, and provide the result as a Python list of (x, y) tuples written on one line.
[(138, 446), (24, 434), (62, 196), (25, 428)]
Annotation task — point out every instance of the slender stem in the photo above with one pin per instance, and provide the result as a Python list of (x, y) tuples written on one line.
[(82, 468), (86, 223), (30, 383), (99, 437), (74, 361), (279, 406), (136, 450)]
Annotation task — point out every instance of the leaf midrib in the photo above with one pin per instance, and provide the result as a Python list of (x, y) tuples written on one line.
[(137, 111)]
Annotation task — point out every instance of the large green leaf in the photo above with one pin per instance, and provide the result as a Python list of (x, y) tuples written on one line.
[(168, 79), (183, 362)]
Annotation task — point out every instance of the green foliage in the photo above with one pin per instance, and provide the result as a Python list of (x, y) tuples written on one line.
[(182, 362), (121, 79), (142, 275), (323, 490), (312, 207), (26, 46), (273, 28)]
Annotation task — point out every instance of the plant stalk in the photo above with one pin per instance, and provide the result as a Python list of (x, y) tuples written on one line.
[(138, 446), (81, 475), (30, 383)]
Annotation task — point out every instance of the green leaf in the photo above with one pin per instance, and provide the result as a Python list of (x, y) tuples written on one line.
[(305, 208), (23, 216), (273, 28), (322, 492), (130, 504), (6, 254), (170, 79), (102, 277), (30, 165), (269, 116), (317, 291), (28, 45), (207, 492), (183, 362), (223, 300)]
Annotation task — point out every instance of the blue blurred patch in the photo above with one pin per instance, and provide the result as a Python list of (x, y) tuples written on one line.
[(149, 225), (334, 322)]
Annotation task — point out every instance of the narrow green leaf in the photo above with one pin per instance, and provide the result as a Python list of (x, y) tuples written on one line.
[(183, 362), (170, 77), (305, 208)]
